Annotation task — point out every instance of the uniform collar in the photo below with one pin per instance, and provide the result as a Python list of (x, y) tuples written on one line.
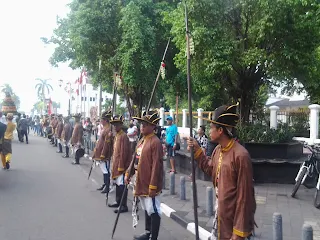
[(229, 146)]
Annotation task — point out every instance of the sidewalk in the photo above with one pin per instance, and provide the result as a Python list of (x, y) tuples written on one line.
[(270, 198)]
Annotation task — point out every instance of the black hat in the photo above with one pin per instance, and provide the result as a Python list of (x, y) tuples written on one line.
[(225, 116), (77, 115), (106, 115), (117, 119), (150, 117)]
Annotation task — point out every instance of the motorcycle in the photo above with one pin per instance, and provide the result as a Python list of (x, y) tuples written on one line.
[(311, 169)]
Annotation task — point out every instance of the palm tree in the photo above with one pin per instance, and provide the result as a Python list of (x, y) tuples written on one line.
[(6, 88), (42, 88)]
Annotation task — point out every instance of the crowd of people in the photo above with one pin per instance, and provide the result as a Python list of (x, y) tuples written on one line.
[(125, 158)]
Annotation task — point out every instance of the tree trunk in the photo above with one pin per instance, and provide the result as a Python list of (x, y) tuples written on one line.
[(177, 109)]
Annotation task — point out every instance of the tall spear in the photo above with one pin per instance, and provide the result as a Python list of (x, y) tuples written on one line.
[(194, 186), (158, 76), (131, 167)]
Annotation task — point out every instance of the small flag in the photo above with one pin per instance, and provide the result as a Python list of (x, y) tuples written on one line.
[(163, 70)]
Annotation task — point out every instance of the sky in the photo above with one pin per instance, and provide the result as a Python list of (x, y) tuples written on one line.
[(23, 56)]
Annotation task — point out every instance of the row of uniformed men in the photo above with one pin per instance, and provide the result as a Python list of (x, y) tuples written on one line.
[(114, 146)]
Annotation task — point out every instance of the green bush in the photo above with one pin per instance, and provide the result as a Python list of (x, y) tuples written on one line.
[(259, 133)]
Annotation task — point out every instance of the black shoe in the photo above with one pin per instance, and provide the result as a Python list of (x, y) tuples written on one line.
[(123, 209), (7, 165), (75, 163), (114, 205), (65, 156), (59, 151), (144, 236), (105, 190), (27, 142), (101, 188)]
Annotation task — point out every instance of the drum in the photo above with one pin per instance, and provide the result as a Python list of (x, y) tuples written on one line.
[(79, 152)]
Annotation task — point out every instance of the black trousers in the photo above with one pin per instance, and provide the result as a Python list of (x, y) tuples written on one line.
[(22, 134)]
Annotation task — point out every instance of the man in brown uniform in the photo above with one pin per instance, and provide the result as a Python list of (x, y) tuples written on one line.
[(51, 125), (54, 130), (120, 162), (149, 174), (66, 135), (232, 176), (103, 151), (59, 133), (77, 137)]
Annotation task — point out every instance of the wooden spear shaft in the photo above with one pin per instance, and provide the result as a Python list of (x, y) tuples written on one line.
[(131, 167), (158, 76), (194, 186)]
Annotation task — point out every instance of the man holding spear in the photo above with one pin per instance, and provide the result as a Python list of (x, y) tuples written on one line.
[(149, 174), (120, 162), (103, 151), (232, 176)]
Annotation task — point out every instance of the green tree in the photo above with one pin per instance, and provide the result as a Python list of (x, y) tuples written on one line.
[(43, 88), (241, 45), (7, 89), (127, 36)]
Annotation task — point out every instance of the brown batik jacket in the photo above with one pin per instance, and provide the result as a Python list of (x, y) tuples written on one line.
[(103, 149), (121, 154), (236, 200), (77, 135), (66, 132), (59, 129), (150, 166)]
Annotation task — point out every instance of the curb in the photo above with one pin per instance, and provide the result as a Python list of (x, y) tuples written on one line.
[(190, 226), (172, 214)]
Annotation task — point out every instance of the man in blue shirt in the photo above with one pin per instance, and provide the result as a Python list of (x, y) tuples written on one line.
[(171, 139)]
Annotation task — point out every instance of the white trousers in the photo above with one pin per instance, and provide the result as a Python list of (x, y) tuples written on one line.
[(120, 180), (103, 167), (151, 205)]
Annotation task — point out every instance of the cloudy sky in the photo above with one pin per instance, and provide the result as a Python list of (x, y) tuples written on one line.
[(23, 57)]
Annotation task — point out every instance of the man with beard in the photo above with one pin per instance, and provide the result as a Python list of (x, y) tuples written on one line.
[(232, 175)]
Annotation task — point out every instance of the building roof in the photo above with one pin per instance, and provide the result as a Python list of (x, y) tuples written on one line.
[(288, 103)]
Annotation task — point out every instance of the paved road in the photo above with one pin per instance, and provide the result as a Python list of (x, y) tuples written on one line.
[(44, 197)]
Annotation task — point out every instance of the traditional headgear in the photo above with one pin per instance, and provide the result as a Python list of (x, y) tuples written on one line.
[(150, 117), (224, 116), (77, 115), (117, 119), (107, 115), (9, 116)]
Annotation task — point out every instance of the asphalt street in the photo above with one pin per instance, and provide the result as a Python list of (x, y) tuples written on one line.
[(44, 197)]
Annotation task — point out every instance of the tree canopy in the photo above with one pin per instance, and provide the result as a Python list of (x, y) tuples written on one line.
[(7, 89), (242, 47)]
